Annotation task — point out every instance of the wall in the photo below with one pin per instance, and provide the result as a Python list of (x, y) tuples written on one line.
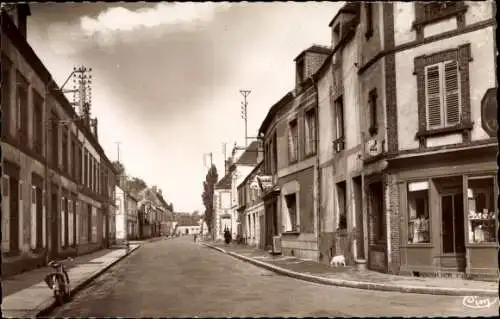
[(481, 76)]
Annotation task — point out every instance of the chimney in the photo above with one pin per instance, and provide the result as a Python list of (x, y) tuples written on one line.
[(309, 61)]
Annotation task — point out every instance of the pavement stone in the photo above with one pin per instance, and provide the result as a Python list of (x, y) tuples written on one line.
[(27, 295), (352, 277)]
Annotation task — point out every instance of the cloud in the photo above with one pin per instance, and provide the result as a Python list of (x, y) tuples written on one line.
[(121, 19)]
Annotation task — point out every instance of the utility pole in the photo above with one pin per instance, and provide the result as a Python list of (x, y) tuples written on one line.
[(244, 113), (118, 150)]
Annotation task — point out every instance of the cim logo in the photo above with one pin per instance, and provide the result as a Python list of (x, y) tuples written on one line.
[(476, 302)]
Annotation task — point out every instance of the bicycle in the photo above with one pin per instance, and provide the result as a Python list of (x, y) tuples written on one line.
[(58, 280)]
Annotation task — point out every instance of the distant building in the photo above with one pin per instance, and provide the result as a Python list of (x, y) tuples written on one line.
[(222, 206)]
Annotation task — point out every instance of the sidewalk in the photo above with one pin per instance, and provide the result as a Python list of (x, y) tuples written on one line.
[(350, 277), (27, 294)]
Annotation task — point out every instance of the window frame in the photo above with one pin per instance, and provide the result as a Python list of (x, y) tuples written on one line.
[(6, 90), (293, 140), (428, 208), (310, 131), (462, 55), (37, 123), (369, 20), (494, 194), (295, 222), (373, 112)]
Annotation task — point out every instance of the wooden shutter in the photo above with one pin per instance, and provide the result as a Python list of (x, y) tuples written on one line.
[(433, 96), (452, 93)]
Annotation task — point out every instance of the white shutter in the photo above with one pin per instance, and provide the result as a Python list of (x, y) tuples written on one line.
[(33, 218), (77, 221), (63, 224), (44, 222), (5, 214), (70, 222), (433, 96), (452, 93)]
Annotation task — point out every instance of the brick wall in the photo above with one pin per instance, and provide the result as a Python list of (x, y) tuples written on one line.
[(313, 62), (391, 189)]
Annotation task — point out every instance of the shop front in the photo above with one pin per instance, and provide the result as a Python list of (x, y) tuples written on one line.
[(448, 208)]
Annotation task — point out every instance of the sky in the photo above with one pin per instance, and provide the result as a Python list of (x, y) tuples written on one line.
[(167, 76)]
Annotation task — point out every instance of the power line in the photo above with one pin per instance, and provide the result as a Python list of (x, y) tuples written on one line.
[(244, 112)]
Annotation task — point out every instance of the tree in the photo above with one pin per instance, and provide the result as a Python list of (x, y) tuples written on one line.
[(208, 195), (119, 167), (135, 185)]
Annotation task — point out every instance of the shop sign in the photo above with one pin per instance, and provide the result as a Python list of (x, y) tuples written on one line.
[(265, 182), (489, 112), (373, 147)]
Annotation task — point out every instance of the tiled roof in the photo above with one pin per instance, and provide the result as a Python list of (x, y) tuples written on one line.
[(224, 183), (249, 157)]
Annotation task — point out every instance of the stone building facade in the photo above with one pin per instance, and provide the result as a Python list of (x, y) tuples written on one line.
[(57, 182)]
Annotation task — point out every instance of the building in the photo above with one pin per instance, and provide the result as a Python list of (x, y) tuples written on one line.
[(152, 213), (340, 149), (290, 146), (56, 177), (415, 176), (252, 207), (132, 217), (243, 161), (222, 206)]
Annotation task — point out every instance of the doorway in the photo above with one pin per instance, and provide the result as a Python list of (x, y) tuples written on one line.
[(14, 214), (452, 224), (358, 206)]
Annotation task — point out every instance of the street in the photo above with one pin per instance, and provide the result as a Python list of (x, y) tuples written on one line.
[(178, 278)]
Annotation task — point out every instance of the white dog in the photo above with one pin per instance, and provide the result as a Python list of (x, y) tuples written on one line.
[(338, 260)]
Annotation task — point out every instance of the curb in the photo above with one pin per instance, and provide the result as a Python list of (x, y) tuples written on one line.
[(361, 284), (50, 304)]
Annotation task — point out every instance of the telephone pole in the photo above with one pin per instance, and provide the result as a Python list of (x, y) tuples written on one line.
[(118, 150), (244, 114)]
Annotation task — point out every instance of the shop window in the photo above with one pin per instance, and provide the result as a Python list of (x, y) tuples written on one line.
[(418, 213), (481, 210)]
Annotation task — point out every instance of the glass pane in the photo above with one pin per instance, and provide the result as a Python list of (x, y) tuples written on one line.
[(447, 223), (481, 206), (418, 217)]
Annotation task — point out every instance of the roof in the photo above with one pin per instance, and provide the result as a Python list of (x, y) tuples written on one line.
[(250, 156), (315, 48), (256, 168), (224, 183), (349, 7), (273, 110)]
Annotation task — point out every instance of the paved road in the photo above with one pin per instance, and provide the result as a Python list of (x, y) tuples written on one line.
[(180, 278)]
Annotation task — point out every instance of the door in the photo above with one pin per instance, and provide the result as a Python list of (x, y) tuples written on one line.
[(452, 224)]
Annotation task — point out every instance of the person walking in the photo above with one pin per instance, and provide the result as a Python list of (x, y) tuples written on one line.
[(195, 237)]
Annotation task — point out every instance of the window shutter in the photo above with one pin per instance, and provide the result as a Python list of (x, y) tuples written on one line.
[(452, 92), (433, 96)]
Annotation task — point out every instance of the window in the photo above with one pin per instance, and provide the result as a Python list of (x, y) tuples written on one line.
[(372, 104), (55, 140), (37, 124), (73, 158), (418, 213), (85, 168), (369, 19), (274, 157), (291, 207), (342, 205), (64, 150), (310, 132), (339, 124), (481, 208), (442, 94), (22, 108), (63, 221), (33, 211), (6, 85), (293, 141), (436, 10)]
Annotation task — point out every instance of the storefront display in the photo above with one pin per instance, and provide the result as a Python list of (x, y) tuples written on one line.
[(481, 210), (418, 211)]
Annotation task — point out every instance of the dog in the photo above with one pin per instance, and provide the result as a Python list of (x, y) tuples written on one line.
[(338, 260)]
